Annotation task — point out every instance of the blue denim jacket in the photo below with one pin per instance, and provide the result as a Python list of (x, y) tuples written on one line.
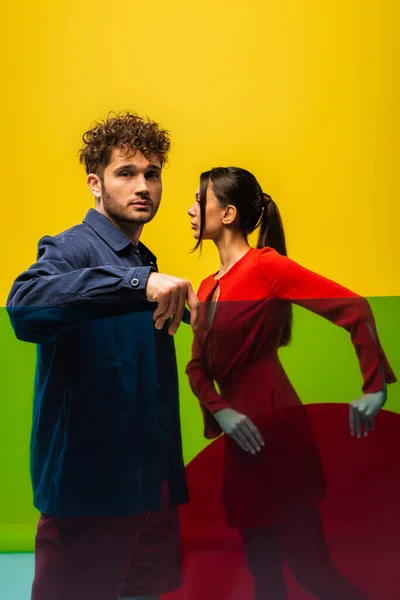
[(106, 428)]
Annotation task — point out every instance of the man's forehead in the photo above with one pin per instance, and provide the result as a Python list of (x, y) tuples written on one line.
[(121, 156)]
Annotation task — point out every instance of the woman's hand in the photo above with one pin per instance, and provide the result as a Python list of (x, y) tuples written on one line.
[(240, 429), (363, 411)]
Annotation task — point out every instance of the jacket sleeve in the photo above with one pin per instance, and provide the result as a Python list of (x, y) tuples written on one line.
[(204, 389), (55, 294), (290, 281)]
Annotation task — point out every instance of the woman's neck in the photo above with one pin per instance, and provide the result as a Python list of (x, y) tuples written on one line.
[(231, 248)]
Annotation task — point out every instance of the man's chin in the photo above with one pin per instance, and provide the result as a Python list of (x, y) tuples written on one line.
[(140, 219)]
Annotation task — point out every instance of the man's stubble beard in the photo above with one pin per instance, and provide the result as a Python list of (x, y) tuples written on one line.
[(117, 214)]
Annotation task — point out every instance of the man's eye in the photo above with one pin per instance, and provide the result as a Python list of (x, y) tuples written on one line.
[(153, 175), (124, 174)]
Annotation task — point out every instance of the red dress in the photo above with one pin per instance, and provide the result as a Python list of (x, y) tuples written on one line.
[(238, 351)]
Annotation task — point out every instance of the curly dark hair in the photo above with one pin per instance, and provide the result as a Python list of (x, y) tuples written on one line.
[(127, 131)]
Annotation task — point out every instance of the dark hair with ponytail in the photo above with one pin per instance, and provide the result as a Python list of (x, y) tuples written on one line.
[(239, 188)]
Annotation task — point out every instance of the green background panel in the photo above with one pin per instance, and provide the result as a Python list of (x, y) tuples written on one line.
[(321, 363)]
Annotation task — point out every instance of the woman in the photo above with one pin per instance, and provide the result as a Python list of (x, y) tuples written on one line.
[(272, 472)]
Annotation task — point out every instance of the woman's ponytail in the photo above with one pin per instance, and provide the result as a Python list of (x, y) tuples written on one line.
[(272, 235), (271, 229)]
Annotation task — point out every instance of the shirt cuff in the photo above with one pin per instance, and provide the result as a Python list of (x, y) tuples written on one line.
[(136, 280)]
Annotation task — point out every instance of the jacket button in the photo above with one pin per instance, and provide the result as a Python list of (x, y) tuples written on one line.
[(134, 282)]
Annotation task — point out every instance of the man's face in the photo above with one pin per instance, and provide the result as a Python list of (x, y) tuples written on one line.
[(131, 188)]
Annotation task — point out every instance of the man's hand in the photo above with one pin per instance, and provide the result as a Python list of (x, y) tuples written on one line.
[(172, 294), (241, 429)]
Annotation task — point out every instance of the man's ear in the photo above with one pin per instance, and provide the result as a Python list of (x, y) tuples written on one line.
[(95, 185)]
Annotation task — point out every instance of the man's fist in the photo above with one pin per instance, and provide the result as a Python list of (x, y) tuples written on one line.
[(172, 294)]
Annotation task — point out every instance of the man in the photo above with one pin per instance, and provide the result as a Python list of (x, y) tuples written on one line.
[(106, 454)]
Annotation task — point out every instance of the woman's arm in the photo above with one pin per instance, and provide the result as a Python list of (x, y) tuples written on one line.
[(203, 388), (290, 281), (218, 415)]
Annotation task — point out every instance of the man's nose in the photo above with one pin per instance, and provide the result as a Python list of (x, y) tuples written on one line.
[(141, 185)]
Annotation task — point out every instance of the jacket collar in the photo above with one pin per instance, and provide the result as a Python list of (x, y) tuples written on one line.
[(114, 237)]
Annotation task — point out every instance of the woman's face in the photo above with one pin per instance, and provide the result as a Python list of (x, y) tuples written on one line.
[(214, 214)]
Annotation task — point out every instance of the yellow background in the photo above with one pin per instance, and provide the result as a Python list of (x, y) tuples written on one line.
[(304, 93)]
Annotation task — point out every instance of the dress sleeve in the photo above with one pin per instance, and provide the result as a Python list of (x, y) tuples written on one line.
[(203, 387), (292, 282)]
